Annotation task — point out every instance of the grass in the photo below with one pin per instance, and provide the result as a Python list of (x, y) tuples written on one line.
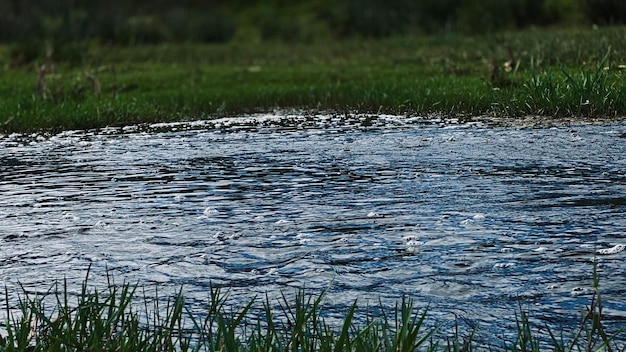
[(116, 319), (554, 73)]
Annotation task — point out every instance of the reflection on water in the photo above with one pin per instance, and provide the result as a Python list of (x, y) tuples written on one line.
[(468, 219)]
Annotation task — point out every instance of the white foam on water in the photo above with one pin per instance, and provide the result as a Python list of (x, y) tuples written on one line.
[(414, 246), (467, 222), (409, 238), (69, 216), (479, 216), (581, 291), (303, 238), (613, 250), (209, 211), (503, 265)]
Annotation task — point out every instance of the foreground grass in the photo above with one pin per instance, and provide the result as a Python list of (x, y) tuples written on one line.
[(113, 319), (572, 73)]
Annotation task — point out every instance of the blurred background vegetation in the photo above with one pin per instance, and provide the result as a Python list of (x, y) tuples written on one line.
[(62, 30)]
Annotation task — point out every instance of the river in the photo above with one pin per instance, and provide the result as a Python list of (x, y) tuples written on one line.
[(473, 221)]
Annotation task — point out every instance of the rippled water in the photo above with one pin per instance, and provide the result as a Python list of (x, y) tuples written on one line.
[(474, 221)]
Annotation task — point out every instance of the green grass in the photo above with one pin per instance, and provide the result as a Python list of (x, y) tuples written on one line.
[(116, 319), (553, 73)]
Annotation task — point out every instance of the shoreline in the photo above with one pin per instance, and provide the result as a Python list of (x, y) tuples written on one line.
[(299, 119), (559, 77)]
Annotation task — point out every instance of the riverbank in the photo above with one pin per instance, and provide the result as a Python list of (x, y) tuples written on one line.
[(116, 319), (575, 73)]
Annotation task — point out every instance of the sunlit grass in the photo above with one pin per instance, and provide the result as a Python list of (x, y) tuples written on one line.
[(118, 318), (559, 73)]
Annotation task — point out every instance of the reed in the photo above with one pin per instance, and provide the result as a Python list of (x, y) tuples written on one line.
[(116, 318)]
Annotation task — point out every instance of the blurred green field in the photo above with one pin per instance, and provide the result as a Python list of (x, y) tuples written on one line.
[(156, 21)]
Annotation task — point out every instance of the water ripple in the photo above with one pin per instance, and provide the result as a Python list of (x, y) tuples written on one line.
[(467, 218)]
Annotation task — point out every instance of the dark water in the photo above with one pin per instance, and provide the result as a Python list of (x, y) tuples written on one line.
[(473, 221)]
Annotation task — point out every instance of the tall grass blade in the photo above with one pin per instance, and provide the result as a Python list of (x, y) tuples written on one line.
[(343, 343)]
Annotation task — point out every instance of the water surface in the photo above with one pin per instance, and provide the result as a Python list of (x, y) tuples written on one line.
[(471, 220)]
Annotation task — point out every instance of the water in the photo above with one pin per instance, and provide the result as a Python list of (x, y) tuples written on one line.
[(473, 221)]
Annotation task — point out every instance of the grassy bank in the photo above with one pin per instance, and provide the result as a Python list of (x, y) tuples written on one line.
[(555, 73), (118, 319)]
